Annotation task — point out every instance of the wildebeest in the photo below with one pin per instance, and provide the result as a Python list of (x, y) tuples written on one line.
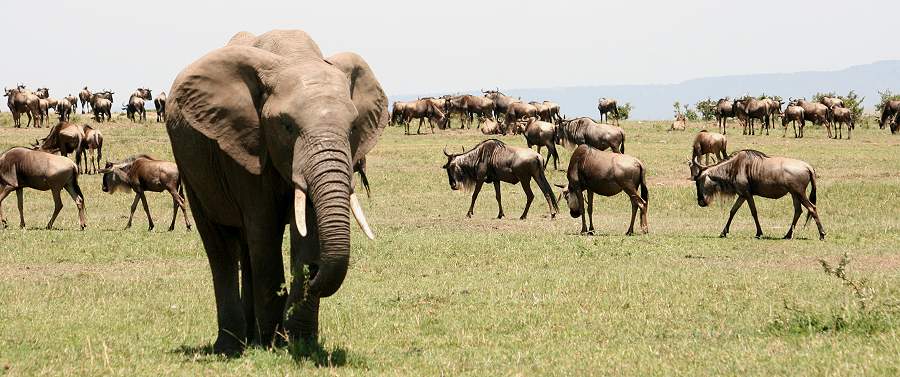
[(135, 105), (542, 134), (748, 108), (542, 112), (793, 113), (93, 143), (73, 101), (709, 143), (85, 97), (492, 161), (101, 105), (399, 111), (142, 173), (724, 110), (750, 173), (830, 102), (467, 106), (501, 102), (553, 107), (839, 117), (814, 112), (680, 123), (22, 168), (489, 127), (774, 111), (606, 106), (608, 174), (889, 111), (64, 138), (64, 110), (424, 109), (572, 133), (160, 104), (517, 111), (17, 102)]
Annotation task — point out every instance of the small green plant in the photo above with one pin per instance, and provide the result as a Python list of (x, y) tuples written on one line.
[(625, 111), (707, 109)]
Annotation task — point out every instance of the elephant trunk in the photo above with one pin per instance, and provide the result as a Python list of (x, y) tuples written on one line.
[(328, 174)]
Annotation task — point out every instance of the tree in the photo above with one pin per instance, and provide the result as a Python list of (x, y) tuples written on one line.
[(886, 95), (625, 110), (690, 114), (707, 108)]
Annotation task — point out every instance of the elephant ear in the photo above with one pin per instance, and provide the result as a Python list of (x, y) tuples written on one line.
[(8, 173), (370, 102), (219, 96)]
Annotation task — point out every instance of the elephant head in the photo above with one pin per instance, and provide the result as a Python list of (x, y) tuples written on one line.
[(274, 100)]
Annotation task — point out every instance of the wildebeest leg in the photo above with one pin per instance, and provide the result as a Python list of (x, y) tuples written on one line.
[(815, 215), (146, 209), (555, 155), (497, 195), (752, 205), (20, 202), (57, 206), (77, 197), (634, 208), (797, 212), (3, 193), (174, 211), (529, 197), (737, 205), (474, 196), (419, 130), (179, 203), (134, 204), (590, 211)]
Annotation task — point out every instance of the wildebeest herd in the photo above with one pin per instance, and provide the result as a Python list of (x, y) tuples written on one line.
[(268, 132)]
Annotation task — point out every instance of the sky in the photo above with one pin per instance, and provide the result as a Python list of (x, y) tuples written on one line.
[(449, 46)]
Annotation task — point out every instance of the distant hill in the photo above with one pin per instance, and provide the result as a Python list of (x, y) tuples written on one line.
[(655, 101)]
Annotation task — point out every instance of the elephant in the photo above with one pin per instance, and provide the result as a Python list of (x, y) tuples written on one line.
[(267, 132)]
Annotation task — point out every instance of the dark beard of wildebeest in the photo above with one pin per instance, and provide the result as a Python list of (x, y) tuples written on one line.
[(747, 109), (160, 104), (839, 117), (608, 174), (724, 110), (266, 131), (889, 111), (142, 173), (572, 133), (706, 143), (814, 112), (64, 138), (793, 114), (425, 109), (542, 134), (606, 106), (492, 161), (91, 146), (22, 168), (750, 173)]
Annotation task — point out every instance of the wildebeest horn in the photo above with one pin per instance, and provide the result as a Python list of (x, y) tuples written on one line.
[(696, 161), (447, 154)]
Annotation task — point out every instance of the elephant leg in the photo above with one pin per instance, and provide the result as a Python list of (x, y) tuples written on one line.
[(301, 312), (20, 202), (529, 197), (737, 205), (222, 252), (474, 196), (263, 241), (57, 206), (753, 213), (146, 209), (499, 202), (137, 198), (3, 194)]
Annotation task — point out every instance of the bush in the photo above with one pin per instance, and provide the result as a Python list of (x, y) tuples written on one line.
[(625, 110), (886, 95), (707, 108)]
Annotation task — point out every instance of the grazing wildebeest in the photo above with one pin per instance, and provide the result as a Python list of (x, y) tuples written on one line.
[(136, 104), (63, 138), (160, 104), (101, 105), (710, 143), (572, 133), (17, 101), (793, 113), (64, 110), (492, 161), (490, 127), (85, 97), (724, 110), (22, 168), (142, 173), (889, 111), (542, 134), (750, 173), (501, 102), (814, 112), (606, 106), (839, 117), (93, 143), (424, 109), (608, 174)]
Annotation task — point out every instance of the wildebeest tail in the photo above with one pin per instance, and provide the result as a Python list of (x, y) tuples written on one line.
[(544, 185), (77, 190), (622, 147), (644, 193), (812, 194)]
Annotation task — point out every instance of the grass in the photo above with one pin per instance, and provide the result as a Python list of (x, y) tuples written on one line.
[(439, 294)]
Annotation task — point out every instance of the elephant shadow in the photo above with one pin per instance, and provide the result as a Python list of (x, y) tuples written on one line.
[(299, 352)]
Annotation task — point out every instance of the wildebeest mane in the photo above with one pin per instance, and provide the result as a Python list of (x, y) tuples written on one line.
[(470, 160), (725, 172)]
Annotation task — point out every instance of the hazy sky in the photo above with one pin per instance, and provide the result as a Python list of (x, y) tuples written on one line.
[(442, 46)]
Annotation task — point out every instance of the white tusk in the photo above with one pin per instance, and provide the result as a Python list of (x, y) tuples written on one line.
[(360, 216), (300, 211)]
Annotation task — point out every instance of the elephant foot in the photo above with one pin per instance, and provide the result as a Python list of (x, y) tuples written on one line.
[(229, 346)]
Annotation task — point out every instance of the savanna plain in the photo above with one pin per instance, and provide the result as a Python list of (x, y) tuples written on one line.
[(439, 294)]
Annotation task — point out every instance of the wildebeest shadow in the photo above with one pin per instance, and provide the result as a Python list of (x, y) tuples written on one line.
[(299, 351)]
